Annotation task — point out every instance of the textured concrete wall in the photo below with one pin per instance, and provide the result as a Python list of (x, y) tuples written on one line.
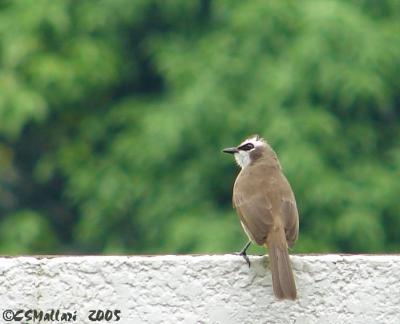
[(198, 289)]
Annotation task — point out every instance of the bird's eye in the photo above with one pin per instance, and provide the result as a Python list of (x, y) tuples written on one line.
[(246, 147)]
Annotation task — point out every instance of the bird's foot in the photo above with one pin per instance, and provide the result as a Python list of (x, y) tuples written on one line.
[(244, 255)]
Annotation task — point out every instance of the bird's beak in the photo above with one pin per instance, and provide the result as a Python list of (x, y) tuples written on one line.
[(230, 150)]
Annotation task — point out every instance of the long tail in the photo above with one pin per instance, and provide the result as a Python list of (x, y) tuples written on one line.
[(282, 274)]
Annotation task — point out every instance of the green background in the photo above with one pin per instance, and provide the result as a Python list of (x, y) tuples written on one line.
[(113, 115)]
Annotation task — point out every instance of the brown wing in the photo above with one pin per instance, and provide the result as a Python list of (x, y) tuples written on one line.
[(254, 211), (290, 218)]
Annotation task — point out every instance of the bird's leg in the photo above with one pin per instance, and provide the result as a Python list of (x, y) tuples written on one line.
[(244, 254)]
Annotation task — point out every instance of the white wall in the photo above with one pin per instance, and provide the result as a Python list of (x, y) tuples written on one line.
[(203, 289)]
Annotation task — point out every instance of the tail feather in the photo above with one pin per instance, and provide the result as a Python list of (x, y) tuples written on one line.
[(282, 275)]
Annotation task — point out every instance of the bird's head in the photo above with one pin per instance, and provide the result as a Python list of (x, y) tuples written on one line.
[(249, 150)]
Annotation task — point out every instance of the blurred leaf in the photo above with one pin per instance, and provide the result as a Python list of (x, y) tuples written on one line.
[(26, 232)]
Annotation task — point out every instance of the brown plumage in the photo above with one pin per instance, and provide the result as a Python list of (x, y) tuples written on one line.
[(267, 209)]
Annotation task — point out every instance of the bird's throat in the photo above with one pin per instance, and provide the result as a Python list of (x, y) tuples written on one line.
[(243, 159)]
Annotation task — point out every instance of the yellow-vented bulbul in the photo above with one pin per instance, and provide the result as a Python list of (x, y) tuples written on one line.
[(267, 209)]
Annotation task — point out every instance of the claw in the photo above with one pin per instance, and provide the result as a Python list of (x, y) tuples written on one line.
[(244, 254)]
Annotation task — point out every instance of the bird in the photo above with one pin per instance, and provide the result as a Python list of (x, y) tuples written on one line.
[(267, 209)]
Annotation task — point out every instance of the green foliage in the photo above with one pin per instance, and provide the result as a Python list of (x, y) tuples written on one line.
[(26, 231), (113, 115)]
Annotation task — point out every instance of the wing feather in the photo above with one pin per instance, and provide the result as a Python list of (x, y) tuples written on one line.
[(290, 218), (255, 214)]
